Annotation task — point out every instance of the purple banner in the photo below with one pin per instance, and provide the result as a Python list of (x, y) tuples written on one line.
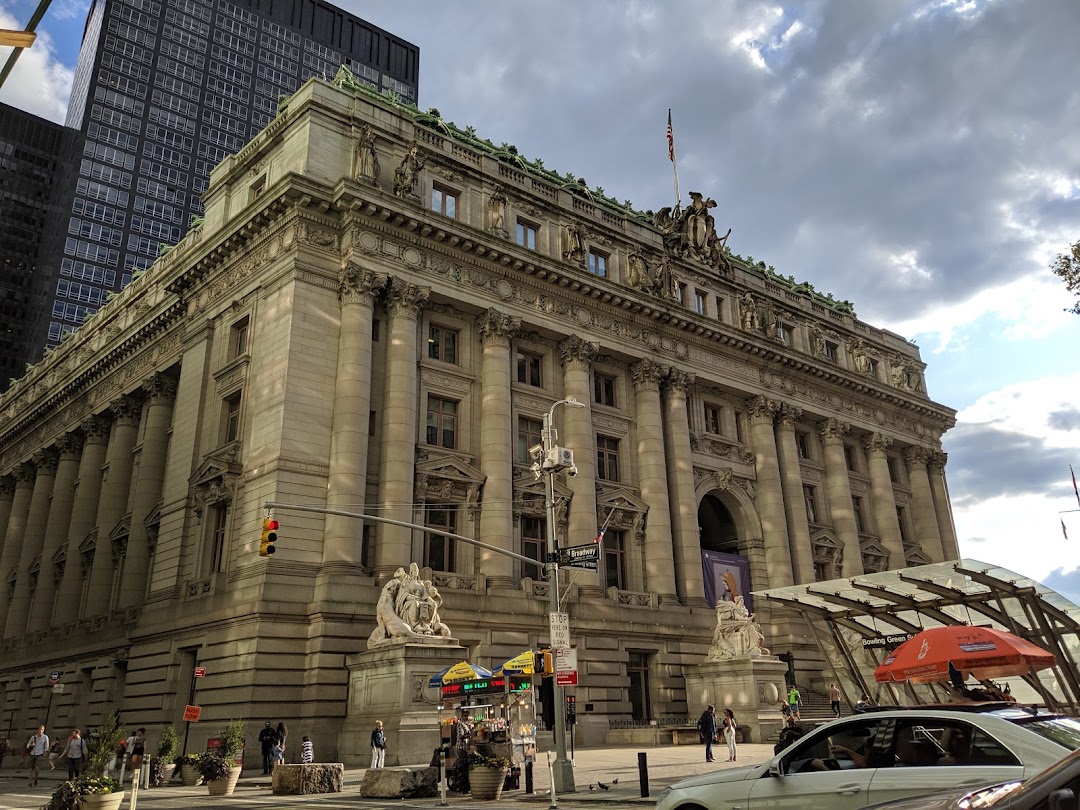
[(726, 576)]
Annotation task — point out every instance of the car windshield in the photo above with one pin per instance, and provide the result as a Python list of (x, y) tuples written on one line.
[(1065, 731)]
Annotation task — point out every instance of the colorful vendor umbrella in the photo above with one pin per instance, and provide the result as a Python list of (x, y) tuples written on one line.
[(461, 671), (524, 663), (982, 652)]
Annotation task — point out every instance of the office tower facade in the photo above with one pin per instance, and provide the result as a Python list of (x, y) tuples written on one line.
[(31, 151), (163, 91)]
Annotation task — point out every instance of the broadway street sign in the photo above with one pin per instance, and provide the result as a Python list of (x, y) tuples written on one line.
[(586, 556)]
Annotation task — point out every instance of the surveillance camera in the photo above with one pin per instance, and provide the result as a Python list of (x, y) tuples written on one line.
[(572, 471), (536, 451)]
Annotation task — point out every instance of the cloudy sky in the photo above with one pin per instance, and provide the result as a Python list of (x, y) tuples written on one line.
[(920, 158)]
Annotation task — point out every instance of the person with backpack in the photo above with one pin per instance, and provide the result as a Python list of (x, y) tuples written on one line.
[(788, 734), (76, 752)]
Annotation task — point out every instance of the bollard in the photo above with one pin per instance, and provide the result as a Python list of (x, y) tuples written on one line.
[(529, 778), (551, 775), (441, 753), (136, 780), (643, 773)]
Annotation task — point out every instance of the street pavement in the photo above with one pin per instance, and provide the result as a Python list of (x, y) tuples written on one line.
[(615, 767)]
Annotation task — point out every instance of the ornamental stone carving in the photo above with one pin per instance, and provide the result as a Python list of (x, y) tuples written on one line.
[(496, 328), (365, 158), (788, 415), (46, 460), (160, 389), (497, 213), (762, 408), (876, 443), (408, 172), (358, 284), (652, 277), (690, 233), (70, 446), (25, 474), (125, 410), (408, 610), (916, 457), (577, 352), (7, 487), (737, 635), (678, 381), (749, 320), (936, 460), (406, 299), (860, 355), (833, 430), (647, 374), (905, 374), (573, 244)]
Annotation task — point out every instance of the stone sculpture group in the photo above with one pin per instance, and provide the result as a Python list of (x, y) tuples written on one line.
[(407, 610), (737, 635)]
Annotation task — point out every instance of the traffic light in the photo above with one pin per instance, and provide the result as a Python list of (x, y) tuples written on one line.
[(543, 664), (269, 537)]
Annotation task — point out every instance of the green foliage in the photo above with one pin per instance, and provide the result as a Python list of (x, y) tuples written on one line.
[(68, 796), (102, 749), (232, 740), (191, 760), (1067, 267), (477, 760), (211, 767), (169, 743)]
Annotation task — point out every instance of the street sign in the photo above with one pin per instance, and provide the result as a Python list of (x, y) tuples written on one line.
[(58, 688), (560, 630), (200, 672), (54, 676), (566, 667), (192, 713), (586, 556), (566, 678)]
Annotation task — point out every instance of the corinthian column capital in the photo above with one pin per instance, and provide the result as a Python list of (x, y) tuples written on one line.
[(358, 284), (936, 460), (876, 443), (161, 389), (762, 408), (788, 415), (833, 430), (916, 457), (647, 374), (496, 328), (96, 430), (125, 410), (678, 381), (406, 299), (70, 446), (46, 460), (576, 351)]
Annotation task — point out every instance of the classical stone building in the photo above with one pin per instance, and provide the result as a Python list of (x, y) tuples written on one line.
[(375, 315)]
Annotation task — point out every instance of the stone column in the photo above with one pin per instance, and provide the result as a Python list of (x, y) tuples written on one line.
[(83, 517), (577, 434), (25, 475), (394, 548), (37, 516), (926, 527), (798, 523), (935, 467), (841, 509), (7, 495), (652, 475), (160, 393), (113, 503), (496, 448), (689, 579), (770, 495), (884, 502), (346, 485), (56, 530)]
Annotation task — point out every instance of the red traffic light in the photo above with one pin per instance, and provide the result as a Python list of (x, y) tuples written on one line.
[(272, 525)]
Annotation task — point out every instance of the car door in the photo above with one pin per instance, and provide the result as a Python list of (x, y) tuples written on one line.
[(935, 754), (829, 769)]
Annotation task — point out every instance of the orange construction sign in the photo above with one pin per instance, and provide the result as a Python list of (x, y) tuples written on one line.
[(191, 713)]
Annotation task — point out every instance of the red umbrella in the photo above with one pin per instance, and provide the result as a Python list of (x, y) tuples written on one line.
[(980, 651)]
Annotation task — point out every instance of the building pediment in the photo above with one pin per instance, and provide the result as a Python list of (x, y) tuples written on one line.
[(448, 467), (826, 539), (122, 528), (215, 467)]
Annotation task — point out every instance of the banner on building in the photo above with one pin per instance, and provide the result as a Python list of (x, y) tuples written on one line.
[(726, 576)]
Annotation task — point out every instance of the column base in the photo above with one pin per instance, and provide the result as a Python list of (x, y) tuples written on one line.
[(668, 599), (502, 584), (591, 591), (695, 601)]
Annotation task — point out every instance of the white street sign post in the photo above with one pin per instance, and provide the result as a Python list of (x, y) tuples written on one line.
[(560, 630)]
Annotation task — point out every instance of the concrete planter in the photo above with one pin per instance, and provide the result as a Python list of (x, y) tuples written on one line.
[(102, 801), (226, 785), (485, 783), (190, 775)]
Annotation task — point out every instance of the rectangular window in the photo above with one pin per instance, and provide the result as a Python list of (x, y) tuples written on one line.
[(526, 234), (442, 344), (257, 188), (603, 389), (597, 263), (860, 520), (872, 367), (444, 201), (533, 544), (442, 423), (219, 519), (810, 497), (232, 418), (851, 458), (894, 469), (607, 458), (440, 551), (238, 339), (831, 350), (784, 332), (615, 560), (802, 443), (529, 367), (712, 419), (699, 302), (528, 436), (901, 518)]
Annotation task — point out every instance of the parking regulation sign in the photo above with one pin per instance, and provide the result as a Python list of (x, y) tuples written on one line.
[(54, 676), (560, 630)]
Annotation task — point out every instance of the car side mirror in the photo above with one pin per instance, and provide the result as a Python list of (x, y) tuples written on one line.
[(776, 769), (1062, 799)]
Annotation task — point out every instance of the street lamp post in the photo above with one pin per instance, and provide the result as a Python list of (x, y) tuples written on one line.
[(554, 460)]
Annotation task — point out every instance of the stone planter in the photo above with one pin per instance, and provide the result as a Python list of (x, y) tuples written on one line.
[(225, 786), (102, 801), (190, 775), (168, 770), (486, 783)]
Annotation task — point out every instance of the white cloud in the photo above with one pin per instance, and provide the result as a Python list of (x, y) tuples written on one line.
[(39, 83), (1026, 408)]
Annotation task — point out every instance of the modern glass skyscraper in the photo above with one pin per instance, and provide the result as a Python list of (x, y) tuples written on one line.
[(163, 91)]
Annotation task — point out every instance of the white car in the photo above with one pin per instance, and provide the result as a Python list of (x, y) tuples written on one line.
[(885, 755)]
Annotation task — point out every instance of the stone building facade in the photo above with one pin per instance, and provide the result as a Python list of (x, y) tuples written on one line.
[(375, 315)]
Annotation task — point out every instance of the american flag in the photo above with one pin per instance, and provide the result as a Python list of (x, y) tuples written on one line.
[(670, 138), (1077, 491)]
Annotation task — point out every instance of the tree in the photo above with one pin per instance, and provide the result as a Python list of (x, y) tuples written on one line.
[(1067, 268)]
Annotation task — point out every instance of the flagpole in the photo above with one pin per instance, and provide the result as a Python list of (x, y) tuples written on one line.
[(674, 162), (1075, 489)]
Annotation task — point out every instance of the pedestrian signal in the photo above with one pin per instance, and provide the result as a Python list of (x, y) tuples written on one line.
[(269, 537), (543, 665)]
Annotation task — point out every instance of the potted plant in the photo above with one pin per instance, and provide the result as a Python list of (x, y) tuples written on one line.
[(93, 789), (163, 766), (212, 768), (189, 769), (486, 775), (232, 743)]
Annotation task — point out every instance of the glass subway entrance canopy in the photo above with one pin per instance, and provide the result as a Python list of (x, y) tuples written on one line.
[(856, 621)]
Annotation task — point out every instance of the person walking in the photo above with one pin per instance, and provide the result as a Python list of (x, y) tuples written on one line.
[(730, 727), (137, 747), (794, 699), (277, 754), (267, 738), (75, 751), (36, 747), (834, 699), (307, 751), (378, 745), (706, 725), (282, 735)]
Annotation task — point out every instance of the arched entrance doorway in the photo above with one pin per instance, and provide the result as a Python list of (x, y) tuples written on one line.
[(726, 554)]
